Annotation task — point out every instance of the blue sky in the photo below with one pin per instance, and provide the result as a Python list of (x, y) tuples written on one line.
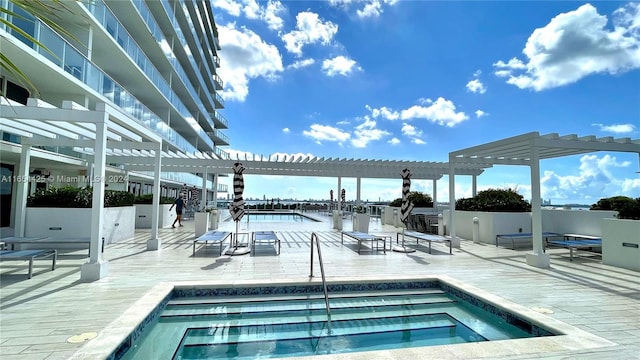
[(415, 80)]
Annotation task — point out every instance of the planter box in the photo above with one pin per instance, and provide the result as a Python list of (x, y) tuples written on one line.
[(621, 243), (144, 212), (60, 223), (361, 222)]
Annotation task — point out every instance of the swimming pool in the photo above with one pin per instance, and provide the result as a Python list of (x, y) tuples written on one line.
[(535, 332), (275, 217)]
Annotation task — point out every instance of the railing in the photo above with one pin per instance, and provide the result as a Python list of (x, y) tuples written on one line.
[(324, 281)]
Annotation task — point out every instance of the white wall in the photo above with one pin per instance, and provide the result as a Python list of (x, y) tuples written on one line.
[(584, 222), (560, 221), (144, 213), (621, 243), (59, 223)]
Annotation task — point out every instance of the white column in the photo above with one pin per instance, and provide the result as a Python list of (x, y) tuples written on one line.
[(22, 188), (435, 194), (538, 258), (358, 184), (215, 190), (455, 242), (205, 175), (339, 197), (154, 242), (474, 185), (97, 268)]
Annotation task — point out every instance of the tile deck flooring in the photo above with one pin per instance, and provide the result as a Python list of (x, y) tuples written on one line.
[(39, 315)]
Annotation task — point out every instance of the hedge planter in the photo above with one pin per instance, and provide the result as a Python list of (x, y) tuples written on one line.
[(60, 223), (145, 211)]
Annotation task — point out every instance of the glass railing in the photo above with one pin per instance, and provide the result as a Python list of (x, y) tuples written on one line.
[(105, 17), (221, 136), (220, 118), (73, 62), (174, 21), (155, 31)]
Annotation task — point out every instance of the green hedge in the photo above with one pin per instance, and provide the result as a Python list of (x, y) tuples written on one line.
[(495, 200), (418, 199), (75, 197), (148, 199), (627, 208)]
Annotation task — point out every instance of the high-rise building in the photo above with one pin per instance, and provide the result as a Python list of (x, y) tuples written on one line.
[(154, 61)]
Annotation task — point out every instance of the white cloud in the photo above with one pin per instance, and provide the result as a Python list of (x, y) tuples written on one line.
[(418, 141), (365, 8), (286, 130), (245, 56), (367, 132), (594, 181), (577, 44), (321, 133), (480, 113), (617, 128), (301, 64), (232, 7), (441, 112), (410, 130), (383, 112), (475, 86), (339, 65), (269, 13), (310, 29), (394, 141)]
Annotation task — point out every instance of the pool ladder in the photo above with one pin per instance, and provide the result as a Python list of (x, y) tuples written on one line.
[(324, 281)]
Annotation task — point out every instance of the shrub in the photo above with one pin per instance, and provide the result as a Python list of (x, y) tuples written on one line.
[(627, 208), (75, 197), (494, 200), (148, 199), (418, 199)]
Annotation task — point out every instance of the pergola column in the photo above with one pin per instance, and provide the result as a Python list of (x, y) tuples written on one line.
[(358, 184), (435, 192), (537, 258), (154, 243), (97, 268), (21, 191), (215, 191), (205, 175), (474, 186), (455, 242)]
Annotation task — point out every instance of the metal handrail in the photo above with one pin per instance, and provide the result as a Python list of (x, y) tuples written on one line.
[(324, 281)]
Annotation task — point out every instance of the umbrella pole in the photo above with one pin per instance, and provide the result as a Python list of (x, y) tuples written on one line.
[(234, 249)]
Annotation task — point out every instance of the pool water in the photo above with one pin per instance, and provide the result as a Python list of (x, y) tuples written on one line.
[(276, 217), (254, 323)]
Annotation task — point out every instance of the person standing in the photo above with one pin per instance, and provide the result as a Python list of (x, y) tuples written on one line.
[(179, 204)]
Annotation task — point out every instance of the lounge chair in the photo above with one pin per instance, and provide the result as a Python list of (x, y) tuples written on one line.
[(545, 235), (211, 237), (424, 237), (29, 255), (579, 242), (264, 237), (360, 237)]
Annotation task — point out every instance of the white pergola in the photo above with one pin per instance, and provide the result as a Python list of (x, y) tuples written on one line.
[(42, 124), (528, 149), (109, 136)]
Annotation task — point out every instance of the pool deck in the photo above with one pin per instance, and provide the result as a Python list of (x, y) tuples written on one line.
[(40, 317)]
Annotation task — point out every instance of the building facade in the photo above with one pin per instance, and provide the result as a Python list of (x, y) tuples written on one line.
[(155, 61)]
